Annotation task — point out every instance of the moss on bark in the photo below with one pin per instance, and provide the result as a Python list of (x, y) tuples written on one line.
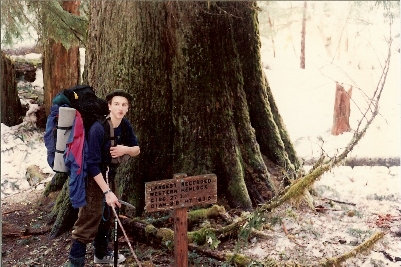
[(63, 214), (56, 183)]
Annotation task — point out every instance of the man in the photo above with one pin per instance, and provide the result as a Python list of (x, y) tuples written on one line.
[(94, 219)]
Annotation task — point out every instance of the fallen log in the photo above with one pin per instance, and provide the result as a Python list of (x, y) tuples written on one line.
[(196, 215), (12, 230), (25, 71), (352, 162), (336, 261)]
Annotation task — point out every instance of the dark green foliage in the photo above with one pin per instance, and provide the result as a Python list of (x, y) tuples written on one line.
[(14, 21), (47, 18)]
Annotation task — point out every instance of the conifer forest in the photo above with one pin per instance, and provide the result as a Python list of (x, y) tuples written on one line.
[(269, 131)]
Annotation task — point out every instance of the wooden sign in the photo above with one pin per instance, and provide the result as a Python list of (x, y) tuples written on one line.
[(179, 193)]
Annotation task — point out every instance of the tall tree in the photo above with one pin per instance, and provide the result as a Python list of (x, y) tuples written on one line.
[(202, 103), (60, 29), (60, 63)]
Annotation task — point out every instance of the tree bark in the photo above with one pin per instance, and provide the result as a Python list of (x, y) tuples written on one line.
[(303, 35), (11, 109), (342, 111), (63, 215), (201, 101), (60, 65), (60, 71)]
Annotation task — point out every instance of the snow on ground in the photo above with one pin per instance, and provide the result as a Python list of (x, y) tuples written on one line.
[(305, 99), (369, 192)]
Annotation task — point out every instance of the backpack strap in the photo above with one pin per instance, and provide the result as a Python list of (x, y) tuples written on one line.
[(112, 138), (111, 131)]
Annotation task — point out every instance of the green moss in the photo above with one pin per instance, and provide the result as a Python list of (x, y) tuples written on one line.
[(165, 234), (336, 261), (56, 183), (196, 215), (199, 237), (150, 229), (36, 62), (236, 185), (239, 259)]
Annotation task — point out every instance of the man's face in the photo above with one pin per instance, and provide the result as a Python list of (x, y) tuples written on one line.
[(118, 107)]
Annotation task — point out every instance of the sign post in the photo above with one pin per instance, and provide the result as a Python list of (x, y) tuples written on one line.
[(178, 194)]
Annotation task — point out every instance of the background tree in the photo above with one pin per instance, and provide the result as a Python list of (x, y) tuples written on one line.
[(303, 35), (60, 61), (11, 109), (60, 29), (201, 101)]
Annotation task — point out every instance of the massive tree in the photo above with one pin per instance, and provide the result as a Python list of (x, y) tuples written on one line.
[(202, 103)]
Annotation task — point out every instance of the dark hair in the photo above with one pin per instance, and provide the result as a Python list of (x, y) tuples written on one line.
[(118, 92)]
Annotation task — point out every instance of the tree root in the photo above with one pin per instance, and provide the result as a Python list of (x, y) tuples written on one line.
[(62, 213), (56, 184), (361, 248), (198, 215), (236, 259)]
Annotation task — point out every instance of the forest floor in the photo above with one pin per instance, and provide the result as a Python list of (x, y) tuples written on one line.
[(292, 233), (350, 205)]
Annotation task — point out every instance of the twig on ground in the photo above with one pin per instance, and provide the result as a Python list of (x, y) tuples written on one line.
[(352, 253), (339, 201), (359, 249), (290, 237), (11, 211)]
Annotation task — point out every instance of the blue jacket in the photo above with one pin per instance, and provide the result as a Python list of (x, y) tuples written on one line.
[(74, 155), (75, 161), (99, 148)]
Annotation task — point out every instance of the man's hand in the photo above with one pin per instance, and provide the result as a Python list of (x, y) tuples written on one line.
[(118, 151), (112, 200)]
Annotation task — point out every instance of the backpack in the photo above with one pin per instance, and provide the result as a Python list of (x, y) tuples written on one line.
[(91, 108), (65, 137)]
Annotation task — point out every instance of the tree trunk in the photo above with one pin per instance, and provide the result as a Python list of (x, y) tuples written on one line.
[(272, 35), (342, 111), (63, 214), (303, 33), (201, 101), (60, 65), (60, 71), (11, 109)]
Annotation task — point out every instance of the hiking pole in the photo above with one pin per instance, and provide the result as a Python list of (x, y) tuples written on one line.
[(126, 238), (116, 238), (115, 222)]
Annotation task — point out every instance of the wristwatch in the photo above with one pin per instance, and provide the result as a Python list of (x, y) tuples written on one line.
[(107, 191)]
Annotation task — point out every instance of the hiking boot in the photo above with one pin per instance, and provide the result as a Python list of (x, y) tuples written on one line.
[(109, 258), (72, 263), (77, 254)]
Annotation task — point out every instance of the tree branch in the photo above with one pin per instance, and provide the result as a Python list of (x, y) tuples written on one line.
[(359, 249)]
